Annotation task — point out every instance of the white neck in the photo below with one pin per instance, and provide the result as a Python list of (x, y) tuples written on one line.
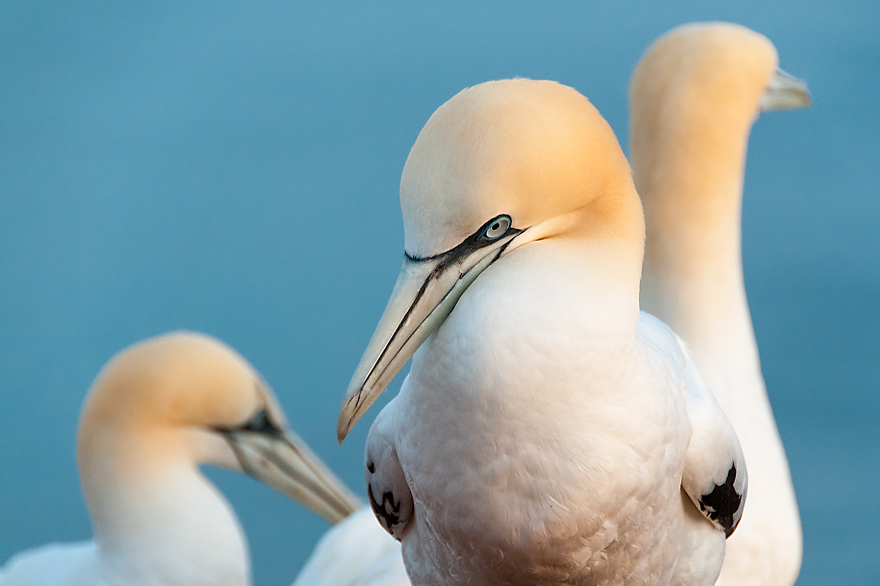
[(585, 276), (597, 251), (690, 176), (156, 518), (689, 167), (600, 249)]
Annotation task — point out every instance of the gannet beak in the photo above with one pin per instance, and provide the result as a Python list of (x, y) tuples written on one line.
[(424, 295), (785, 92), (283, 461)]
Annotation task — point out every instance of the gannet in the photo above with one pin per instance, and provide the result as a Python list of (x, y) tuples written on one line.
[(156, 412), (356, 552), (548, 432), (694, 97)]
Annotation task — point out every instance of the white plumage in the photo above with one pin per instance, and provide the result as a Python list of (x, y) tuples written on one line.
[(356, 552), (548, 433), (157, 411), (694, 97)]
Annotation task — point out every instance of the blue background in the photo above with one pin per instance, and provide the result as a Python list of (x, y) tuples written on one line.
[(234, 167)]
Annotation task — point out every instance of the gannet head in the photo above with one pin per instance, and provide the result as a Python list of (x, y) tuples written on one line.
[(498, 166), (725, 69), (187, 398)]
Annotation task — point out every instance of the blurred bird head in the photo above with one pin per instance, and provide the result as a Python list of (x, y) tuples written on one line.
[(712, 73), (185, 399)]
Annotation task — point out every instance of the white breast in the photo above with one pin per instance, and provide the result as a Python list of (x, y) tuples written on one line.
[(560, 444)]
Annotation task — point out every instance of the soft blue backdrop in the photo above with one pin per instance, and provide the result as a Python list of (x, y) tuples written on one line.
[(233, 168)]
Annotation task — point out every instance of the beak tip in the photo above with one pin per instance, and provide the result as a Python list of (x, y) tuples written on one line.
[(347, 419), (785, 92)]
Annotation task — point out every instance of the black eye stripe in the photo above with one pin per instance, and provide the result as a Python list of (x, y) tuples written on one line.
[(261, 423), (475, 241)]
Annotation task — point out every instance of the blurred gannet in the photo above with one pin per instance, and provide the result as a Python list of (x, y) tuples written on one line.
[(694, 97), (548, 432), (156, 412), (356, 552)]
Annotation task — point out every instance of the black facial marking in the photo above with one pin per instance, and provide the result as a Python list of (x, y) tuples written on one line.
[(722, 503), (371, 466), (470, 244), (261, 423), (447, 259), (388, 512)]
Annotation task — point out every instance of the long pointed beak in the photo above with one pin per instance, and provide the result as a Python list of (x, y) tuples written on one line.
[(424, 295), (785, 92), (284, 462)]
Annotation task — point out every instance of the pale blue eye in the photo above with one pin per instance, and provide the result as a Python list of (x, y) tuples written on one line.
[(496, 228)]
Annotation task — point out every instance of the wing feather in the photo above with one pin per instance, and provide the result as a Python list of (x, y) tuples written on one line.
[(715, 476), (389, 493)]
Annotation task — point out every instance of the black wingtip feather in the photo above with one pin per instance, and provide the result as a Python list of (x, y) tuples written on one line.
[(722, 504)]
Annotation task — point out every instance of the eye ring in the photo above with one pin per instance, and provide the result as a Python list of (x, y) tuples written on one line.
[(496, 228)]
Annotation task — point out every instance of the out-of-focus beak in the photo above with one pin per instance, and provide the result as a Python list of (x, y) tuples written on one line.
[(283, 461), (785, 92), (425, 294)]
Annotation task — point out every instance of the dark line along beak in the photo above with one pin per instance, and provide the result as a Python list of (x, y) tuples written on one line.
[(424, 295), (284, 462), (785, 92)]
